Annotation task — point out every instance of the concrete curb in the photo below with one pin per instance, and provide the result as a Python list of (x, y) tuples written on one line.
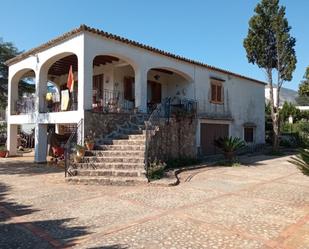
[(166, 182)]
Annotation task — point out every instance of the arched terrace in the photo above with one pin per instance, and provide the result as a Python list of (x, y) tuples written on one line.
[(55, 91), (166, 82), (22, 92), (113, 84)]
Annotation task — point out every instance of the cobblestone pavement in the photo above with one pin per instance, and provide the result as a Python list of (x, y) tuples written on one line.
[(262, 205)]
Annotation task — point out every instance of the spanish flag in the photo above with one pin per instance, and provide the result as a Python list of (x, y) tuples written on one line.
[(70, 82)]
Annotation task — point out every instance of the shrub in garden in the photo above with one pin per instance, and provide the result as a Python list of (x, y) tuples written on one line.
[(229, 146)]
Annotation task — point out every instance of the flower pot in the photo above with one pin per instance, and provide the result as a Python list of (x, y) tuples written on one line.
[(3, 153), (89, 145), (77, 159), (80, 152)]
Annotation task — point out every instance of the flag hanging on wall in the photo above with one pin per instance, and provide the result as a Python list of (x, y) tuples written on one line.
[(70, 82)]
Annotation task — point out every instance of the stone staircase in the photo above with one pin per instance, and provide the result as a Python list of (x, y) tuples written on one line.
[(117, 159)]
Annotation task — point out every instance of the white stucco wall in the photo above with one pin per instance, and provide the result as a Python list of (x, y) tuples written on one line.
[(246, 98)]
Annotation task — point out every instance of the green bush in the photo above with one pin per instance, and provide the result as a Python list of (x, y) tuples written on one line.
[(229, 146), (3, 127), (2, 148), (156, 170)]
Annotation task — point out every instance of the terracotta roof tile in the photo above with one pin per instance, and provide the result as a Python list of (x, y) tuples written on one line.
[(107, 35)]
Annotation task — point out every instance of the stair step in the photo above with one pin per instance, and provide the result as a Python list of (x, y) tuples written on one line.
[(108, 173), (123, 142), (120, 181), (115, 153), (116, 166), (125, 131), (128, 136), (120, 147), (93, 159)]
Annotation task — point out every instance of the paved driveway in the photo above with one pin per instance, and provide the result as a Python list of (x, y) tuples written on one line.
[(265, 205)]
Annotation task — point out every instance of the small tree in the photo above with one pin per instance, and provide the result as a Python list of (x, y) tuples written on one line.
[(270, 46), (289, 109), (303, 90), (304, 85)]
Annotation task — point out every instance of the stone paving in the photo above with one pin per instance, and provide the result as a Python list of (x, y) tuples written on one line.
[(262, 205)]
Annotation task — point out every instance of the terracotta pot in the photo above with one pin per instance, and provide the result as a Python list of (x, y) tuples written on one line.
[(77, 159), (80, 152), (89, 146), (3, 153)]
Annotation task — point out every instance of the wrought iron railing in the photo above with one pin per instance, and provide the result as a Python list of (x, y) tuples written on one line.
[(24, 105), (113, 101), (70, 146), (26, 139)]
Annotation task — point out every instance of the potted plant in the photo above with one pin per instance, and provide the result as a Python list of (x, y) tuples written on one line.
[(80, 150), (3, 151), (77, 158), (229, 146), (89, 140)]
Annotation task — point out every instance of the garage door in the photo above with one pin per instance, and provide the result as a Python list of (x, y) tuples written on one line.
[(210, 132)]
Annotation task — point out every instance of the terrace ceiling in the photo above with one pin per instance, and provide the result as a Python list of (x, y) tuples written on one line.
[(62, 66)]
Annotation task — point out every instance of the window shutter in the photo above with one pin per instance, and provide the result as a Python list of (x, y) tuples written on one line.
[(219, 93), (248, 136), (213, 92), (128, 94)]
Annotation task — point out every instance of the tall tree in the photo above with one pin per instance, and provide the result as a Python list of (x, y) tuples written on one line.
[(270, 46), (304, 85), (8, 51)]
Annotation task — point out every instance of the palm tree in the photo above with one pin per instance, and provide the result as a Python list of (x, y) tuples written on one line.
[(302, 161), (229, 146)]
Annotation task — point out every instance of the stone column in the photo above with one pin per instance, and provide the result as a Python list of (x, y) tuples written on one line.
[(40, 143), (141, 90), (12, 96), (12, 139), (85, 71), (40, 90)]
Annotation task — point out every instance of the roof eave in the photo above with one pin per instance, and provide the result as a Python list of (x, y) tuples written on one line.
[(107, 35)]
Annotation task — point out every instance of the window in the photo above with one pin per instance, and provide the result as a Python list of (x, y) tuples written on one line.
[(216, 92), (249, 134)]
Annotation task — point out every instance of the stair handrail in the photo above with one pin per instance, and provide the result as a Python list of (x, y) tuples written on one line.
[(160, 114), (78, 134)]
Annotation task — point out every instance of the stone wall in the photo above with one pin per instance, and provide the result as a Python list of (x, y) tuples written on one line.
[(103, 123), (177, 139)]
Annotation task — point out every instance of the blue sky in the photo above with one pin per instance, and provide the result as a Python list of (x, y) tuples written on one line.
[(204, 30)]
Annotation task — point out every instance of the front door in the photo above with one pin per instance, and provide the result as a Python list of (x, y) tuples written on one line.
[(209, 133), (155, 92)]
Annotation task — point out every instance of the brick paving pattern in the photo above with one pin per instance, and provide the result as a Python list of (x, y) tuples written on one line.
[(262, 205)]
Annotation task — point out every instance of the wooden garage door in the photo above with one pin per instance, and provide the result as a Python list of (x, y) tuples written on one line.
[(210, 132)]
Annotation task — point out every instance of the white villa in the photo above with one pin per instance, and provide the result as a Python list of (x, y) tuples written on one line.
[(116, 75)]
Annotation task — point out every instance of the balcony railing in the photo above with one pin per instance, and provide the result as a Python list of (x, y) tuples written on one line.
[(53, 101), (24, 105), (112, 101)]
